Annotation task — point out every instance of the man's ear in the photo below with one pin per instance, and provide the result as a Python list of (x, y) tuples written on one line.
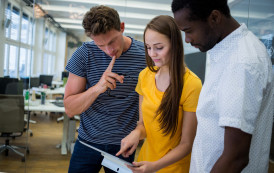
[(215, 18), (122, 26)]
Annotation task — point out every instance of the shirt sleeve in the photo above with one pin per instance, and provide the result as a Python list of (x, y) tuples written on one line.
[(138, 88), (190, 94), (240, 97), (77, 62)]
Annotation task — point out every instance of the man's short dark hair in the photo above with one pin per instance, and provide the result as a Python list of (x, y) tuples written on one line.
[(101, 19), (201, 9)]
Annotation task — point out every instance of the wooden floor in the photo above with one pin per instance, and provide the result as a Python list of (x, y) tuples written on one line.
[(44, 157)]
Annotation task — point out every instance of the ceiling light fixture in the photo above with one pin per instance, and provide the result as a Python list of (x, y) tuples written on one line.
[(130, 4), (80, 10)]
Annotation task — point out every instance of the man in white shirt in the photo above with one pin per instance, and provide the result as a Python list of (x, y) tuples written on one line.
[(235, 108)]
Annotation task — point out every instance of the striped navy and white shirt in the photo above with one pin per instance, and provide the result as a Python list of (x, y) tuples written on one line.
[(113, 115)]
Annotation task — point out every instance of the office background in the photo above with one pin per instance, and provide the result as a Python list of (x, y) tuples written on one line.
[(38, 37)]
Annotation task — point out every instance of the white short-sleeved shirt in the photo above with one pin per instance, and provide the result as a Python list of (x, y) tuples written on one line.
[(238, 92)]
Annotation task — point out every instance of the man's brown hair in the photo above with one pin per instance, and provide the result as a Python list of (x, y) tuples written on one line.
[(101, 19)]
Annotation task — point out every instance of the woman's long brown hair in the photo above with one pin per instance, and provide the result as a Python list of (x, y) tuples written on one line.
[(169, 107)]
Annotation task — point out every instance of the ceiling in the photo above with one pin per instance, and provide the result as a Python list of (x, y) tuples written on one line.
[(137, 13)]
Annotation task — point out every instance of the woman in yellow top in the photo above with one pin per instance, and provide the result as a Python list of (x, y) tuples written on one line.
[(168, 99)]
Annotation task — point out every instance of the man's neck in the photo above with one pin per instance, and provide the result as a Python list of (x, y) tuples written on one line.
[(229, 25), (127, 43)]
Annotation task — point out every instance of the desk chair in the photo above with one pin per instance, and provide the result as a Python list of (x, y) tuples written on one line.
[(12, 122), (4, 82), (16, 88), (25, 81)]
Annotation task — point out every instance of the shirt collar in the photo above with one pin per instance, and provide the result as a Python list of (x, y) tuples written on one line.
[(221, 48)]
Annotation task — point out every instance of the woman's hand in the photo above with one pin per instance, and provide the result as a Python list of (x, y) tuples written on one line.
[(143, 167), (129, 144)]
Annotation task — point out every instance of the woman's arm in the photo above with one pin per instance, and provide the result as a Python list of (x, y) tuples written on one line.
[(183, 149)]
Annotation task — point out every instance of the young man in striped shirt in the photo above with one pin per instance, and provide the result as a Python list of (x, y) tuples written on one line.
[(101, 87)]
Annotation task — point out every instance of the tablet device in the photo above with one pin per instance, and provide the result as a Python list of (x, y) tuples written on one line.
[(112, 162)]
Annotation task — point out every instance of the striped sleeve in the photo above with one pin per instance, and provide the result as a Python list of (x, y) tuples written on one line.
[(77, 63)]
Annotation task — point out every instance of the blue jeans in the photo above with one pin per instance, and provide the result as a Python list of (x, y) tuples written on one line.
[(87, 160)]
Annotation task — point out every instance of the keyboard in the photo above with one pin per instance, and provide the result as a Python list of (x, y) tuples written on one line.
[(58, 103)]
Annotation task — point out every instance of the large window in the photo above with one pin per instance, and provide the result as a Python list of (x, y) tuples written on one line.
[(15, 23), (6, 60), (8, 20), (13, 54), (19, 41), (49, 51), (25, 28)]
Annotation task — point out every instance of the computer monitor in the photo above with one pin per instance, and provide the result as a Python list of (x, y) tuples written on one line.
[(46, 79), (65, 74), (34, 82), (30, 82)]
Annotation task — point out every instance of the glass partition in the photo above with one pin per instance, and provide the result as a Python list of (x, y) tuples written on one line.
[(259, 18), (15, 47)]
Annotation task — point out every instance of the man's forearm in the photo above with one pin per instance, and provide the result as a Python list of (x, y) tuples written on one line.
[(230, 165), (78, 103)]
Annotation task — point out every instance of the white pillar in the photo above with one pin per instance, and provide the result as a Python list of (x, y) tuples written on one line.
[(60, 53), (38, 47)]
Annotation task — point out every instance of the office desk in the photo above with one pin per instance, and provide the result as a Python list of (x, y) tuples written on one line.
[(49, 107), (55, 91), (57, 83), (49, 92)]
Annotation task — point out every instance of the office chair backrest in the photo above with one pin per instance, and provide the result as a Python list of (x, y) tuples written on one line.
[(46, 79), (25, 81), (2, 86), (14, 88), (4, 82), (11, 113)]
